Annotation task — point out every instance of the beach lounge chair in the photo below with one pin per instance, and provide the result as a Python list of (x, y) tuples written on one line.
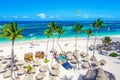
[(61, 58), (67, 65)]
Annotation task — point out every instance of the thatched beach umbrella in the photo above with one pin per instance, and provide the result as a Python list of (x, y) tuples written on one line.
[(86, 59), (85, 65), (95, 63), (55, 66), (40, 76), (21, 62), (70, 56), (7, 74), (26, 64), (21, 71), (43, 68), (2, 58), (102, 62), (55, 72), (73, 61), (2, 69), (29, 77), (98, 74), (93, 58), (83, 54), (36, 63)]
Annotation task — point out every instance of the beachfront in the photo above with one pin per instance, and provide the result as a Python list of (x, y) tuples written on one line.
[(67, 44)]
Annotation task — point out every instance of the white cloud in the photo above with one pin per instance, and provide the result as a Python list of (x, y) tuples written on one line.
[(42, 15), (14, 16), (24, 16)]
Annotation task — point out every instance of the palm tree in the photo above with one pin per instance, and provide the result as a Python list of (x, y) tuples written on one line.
[(106, 40), (48, 33), (53, 27), (60, 33), (11, 32), (97, 24), (77, 28), (89, 33)]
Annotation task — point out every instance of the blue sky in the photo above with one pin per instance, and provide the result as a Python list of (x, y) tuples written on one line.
[(42, 10)]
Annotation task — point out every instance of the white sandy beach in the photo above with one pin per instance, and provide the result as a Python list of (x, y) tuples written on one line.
[(20, 48)]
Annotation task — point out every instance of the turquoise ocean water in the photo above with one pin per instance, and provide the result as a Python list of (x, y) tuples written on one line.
[(35, 29)]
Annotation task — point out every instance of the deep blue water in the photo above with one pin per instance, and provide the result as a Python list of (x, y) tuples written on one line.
[(37, 28)]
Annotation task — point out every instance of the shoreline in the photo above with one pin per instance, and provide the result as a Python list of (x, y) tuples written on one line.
[(114, 38)]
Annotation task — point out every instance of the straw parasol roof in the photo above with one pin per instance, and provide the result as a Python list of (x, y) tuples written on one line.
[(43, 68), (86, 59), (28, 77), (2, 69), (55, 66), (36, 63), (70, 56), (85, 65), (102, 62), (83, 54), (7, 74), (98, 74), (55, 72), (21, 62), (40, 76), (2, 57), (93, 58), (21, 71), (95, 63)]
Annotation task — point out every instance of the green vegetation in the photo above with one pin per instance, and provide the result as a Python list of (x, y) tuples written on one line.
[(60, 31), (11, 32), (77, 28), (89, 33), (53, 27), (113, 54), (97, 25), (106, 40)]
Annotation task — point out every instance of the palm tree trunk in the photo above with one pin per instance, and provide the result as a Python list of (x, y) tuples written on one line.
[(52, 51), (53, 43), (12, 59), (59, 44), (47, 48), (95, 43), (87, 44), (76, 42)]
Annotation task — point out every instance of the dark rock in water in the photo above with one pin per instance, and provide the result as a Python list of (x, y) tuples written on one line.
[(98, 74)]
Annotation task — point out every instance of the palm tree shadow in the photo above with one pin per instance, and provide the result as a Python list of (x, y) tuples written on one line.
[(66, 78)]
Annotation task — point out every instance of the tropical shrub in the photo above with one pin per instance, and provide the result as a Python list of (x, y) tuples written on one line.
[(113, 54)]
